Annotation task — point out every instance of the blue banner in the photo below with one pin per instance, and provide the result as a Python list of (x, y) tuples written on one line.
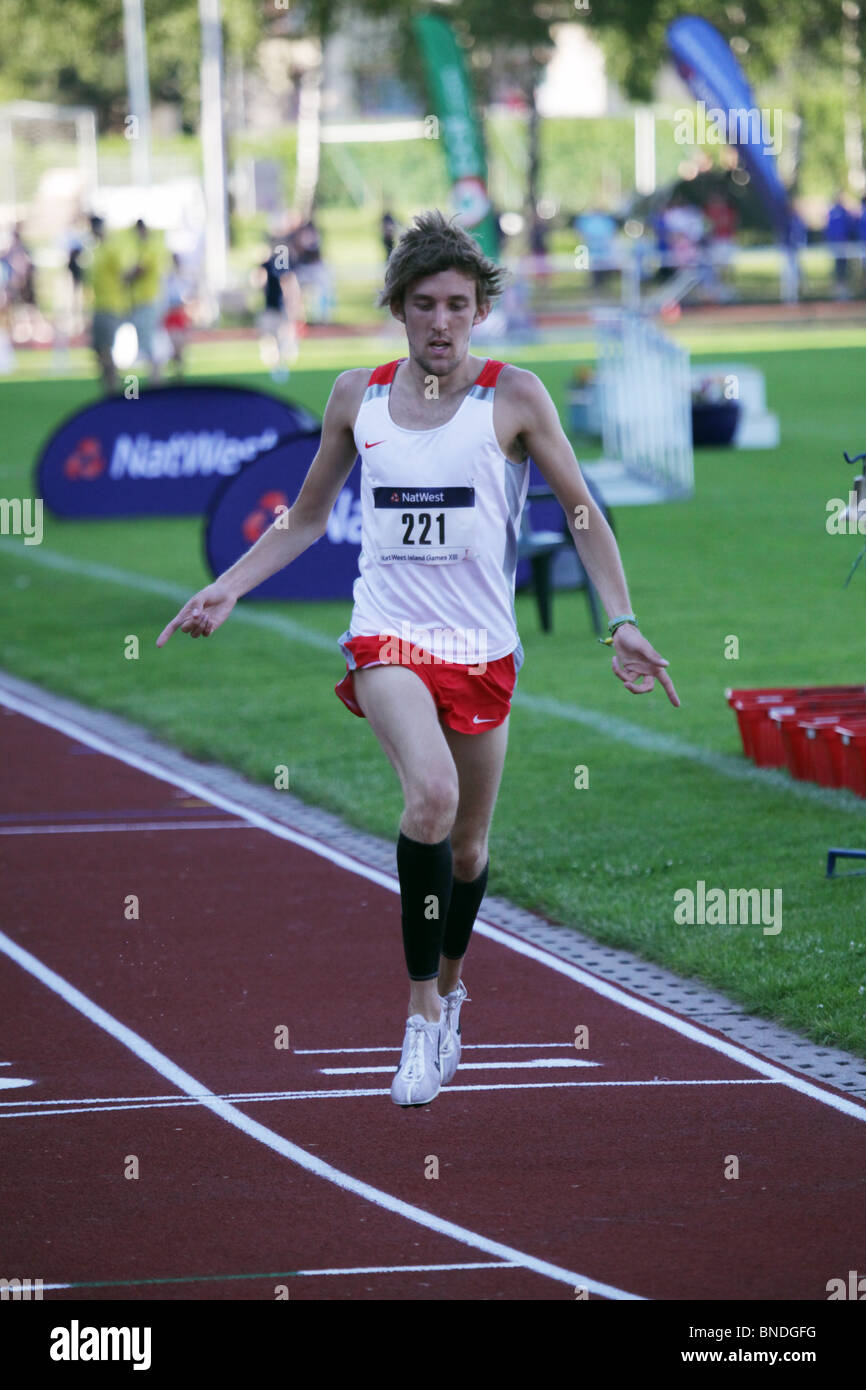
[(162, 454), (707, 65), (245, 506)]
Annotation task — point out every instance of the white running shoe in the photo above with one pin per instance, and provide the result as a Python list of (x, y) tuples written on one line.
[(418, 1077), (449, 1048)]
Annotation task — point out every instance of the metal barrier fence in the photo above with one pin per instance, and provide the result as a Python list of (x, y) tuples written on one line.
[(644, 388)]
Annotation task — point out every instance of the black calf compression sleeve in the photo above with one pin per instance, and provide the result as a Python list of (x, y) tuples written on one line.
[(426, 876), (465, 902)]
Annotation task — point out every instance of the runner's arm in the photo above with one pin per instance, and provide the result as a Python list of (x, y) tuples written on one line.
[(637, 664), (295, 531), (543, 437), (292, 532)]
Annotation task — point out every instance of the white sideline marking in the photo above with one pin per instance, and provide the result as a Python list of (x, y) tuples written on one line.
[(355, 1051), (610, 726), (297, 1274), (111, 826), (177, 593), (694, 1032), (178, 1102), (276, 1142), (545, 1062)]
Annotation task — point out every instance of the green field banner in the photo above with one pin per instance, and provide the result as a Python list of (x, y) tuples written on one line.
[(451, 95)]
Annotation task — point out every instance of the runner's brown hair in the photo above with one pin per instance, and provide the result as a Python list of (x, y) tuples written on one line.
[(434, 243)]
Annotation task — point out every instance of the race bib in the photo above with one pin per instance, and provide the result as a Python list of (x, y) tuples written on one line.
[(431, 525)]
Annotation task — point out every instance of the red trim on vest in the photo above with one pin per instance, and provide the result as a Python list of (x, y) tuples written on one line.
[(383, 376), (489, 373)]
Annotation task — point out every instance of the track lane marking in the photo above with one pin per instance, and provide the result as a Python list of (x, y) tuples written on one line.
[(538, 1062), (280, 1274), (196, 1090), (356, 1051), (97, 1107), (115, 827), (733, 1051)]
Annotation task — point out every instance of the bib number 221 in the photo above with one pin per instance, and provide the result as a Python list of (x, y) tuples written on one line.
[(425, 520)]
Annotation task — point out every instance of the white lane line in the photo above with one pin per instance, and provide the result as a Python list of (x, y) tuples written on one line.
[(287, 1274), (622, 730), (111, 827), (179, 1102), (545, 1062), (8, 1083), (278, 1144), (649, 740), (635, 1004), (356, 1051), (176, 593)]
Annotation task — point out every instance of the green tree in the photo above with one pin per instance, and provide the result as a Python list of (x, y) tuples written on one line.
[(71, 51)]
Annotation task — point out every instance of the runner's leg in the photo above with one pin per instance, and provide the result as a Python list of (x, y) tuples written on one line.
[(479, 759), (403, 717)]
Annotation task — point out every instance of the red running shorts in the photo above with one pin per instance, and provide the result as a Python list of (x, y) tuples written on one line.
[(468, 703)]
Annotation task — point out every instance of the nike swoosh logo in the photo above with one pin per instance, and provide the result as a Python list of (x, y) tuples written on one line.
[(476, 720), (372, 446)]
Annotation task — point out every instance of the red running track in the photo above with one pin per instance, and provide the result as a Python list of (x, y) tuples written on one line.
[(151, 1042)]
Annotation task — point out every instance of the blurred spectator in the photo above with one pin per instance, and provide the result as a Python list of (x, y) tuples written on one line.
[(658, 222), (278, 322), (722, 222), (597, 230), (20, 280), (839, 230), (538, 234), (388, 232), (109, 299), (176, 320), (313, 275), (144, 280), (7, 356), (69, 296), (684, 224), (498, 235), (75, 251)]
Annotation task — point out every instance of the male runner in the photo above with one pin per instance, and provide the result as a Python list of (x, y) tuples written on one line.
[(432, 649)]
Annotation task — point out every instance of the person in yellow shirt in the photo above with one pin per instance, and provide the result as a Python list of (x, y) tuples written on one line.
[(145, 285), (109, 299)]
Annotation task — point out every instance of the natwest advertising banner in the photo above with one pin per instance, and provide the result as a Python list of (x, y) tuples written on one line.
[(162, 454), (244, 507)]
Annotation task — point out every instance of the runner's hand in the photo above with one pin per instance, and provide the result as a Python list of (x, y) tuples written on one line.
[(638, 665), (202, 614)]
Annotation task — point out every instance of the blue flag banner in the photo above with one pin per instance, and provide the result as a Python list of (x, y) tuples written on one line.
[(707, 65), (246, 505), (162, 454)]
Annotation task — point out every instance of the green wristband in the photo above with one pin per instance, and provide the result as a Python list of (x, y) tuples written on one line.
[(617, 622), (613, 625)]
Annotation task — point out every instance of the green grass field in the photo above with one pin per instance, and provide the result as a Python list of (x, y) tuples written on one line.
[(748, 555)]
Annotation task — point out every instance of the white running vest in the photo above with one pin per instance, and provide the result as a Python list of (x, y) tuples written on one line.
[(440, 518)]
